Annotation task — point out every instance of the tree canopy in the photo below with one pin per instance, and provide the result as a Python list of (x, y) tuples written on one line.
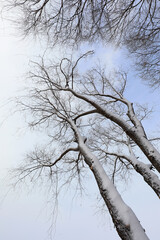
[(131, 24)]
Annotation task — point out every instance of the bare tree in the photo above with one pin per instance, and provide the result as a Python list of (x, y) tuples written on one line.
[(78, 113), (134, 24)]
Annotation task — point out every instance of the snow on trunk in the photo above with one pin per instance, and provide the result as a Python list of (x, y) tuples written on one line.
[(148, 149), (143, 169), (149, 177), (124, 219)]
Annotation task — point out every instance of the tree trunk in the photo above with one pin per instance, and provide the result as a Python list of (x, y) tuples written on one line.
[(149, 177), (124, 219), (127, 225), (147, 148)]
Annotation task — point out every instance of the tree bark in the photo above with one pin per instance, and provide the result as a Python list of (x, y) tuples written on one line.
[(124, 219), (143, 169)]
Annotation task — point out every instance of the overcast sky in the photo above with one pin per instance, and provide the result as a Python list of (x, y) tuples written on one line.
[(25, 215)]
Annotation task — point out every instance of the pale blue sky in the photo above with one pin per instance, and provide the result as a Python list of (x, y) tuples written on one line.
[(23, 215)]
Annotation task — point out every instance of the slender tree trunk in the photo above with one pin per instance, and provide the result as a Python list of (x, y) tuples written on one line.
[(124, 219), (127, 225), (149, 177), (147, 148), (143, 169)]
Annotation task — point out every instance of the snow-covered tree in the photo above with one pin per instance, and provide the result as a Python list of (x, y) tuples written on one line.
[(91, 126)]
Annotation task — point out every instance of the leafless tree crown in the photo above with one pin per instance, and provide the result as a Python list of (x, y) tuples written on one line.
[(97, 106), (134, 24)]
